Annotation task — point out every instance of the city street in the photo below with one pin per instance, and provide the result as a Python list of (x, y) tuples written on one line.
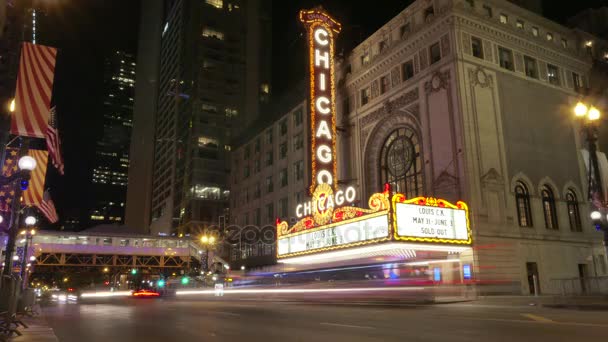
[(233, 320)]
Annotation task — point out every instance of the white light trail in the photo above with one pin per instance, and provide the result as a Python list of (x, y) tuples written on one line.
[(262, 291), (106, 294)]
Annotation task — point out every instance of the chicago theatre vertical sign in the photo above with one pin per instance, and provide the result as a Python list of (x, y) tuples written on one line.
[(321, 31)]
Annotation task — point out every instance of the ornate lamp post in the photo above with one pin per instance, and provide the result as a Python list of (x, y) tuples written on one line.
[(589, 117), (208, 241)]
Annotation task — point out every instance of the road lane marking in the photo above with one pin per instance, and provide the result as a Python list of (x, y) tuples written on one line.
[(347, 325), (227, 313), (538, 318)]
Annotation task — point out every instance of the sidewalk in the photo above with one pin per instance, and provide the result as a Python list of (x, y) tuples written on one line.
[(38, 331), (563, 302)]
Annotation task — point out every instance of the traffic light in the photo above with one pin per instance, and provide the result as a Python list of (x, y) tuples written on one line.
[(185, 280), (161, 283), (134, 271)]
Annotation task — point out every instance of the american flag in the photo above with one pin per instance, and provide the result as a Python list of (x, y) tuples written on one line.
[(33, 194), (34, 89), (47, 207), (53, 143)]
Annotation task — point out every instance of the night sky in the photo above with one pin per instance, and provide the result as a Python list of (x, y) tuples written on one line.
[(85, 31)]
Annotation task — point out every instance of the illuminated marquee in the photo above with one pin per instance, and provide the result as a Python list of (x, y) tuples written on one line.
[(328, 222), (321, 30)]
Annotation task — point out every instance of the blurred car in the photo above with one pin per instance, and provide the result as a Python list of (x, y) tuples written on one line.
[(145, 293)]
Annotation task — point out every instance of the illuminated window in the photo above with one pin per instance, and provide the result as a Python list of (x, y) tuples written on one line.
[(564, 43), (407, 70), (265, 88), (207, 142), (211, 33), (520, 24), (535, 31), (401, 162), (283, 177), (505, 57), (231, 112), (477, 47), (549, 37), (384, 84), (549, 208), (531, 67), (365, 58), (574, 215), (553, 74), (487, 11), (209, 108), (365, 92), (435, 53), (522, 199), (206, 192), (504, 19), (215, 3), (269, 184)]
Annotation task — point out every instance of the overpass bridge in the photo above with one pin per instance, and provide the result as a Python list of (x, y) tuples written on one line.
[(59, 250)]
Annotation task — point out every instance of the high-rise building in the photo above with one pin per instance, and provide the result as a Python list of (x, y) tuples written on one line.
[(139, 192), (112, 149), (214, 77)]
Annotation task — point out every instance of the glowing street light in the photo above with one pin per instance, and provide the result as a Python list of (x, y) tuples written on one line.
[(596, 215), (32, 258), (30, 221), (11, 106), (27, 163)]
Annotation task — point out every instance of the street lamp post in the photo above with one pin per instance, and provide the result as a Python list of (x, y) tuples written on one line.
[(28, 234), (589, 117), (208, 242)]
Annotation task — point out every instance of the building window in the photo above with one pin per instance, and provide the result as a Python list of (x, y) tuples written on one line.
[(383, 45), (365, 96), (298, 170), (257, 192), (246, 172), (269, 158), (522, 199), (283, 127), (405, 29), (256, 146), (435, 53), (298, 142), (574, 215), (589, 47), (535, 31), (283, 177), (477, 47), (471, 3), (283, 150), (269, 136), (284, 204), (407, 70), (247, 152), (365, 58), (401, 163), (212, 33), (549, 37), (520, 24), (270, 212), (553, 74), (297, 117), (549, 208), (531, 67), (504, 19), (269, 184), (564, 43), (215, 3), (506, 58), (258, 219), (487, 10), (256, 165), (428, 13), (576, 81), (384, 84)]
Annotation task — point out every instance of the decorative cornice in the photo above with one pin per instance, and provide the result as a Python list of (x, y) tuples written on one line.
[(439, 80), (478, 76), (390, 107)]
